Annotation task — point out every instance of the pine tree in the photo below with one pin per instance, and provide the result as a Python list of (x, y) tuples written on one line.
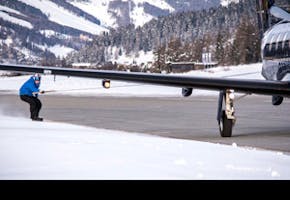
[(159, 59), (247, 42), (219, 49)]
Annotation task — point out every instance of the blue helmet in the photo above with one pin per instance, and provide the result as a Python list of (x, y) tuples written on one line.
[(36, 77)]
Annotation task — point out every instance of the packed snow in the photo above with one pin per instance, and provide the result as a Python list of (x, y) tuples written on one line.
[(51, 150)]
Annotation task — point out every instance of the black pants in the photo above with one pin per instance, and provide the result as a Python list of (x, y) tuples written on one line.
[(35, 105)]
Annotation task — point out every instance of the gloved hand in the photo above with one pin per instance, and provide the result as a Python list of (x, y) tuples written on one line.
[(41, 91)]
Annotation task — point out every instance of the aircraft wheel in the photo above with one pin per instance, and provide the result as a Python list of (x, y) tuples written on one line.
[(226, 125)]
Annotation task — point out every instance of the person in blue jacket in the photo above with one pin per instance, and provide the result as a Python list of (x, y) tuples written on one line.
[(29, 93)]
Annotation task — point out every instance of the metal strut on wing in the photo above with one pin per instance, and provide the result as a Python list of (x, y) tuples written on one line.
[(229, 101)]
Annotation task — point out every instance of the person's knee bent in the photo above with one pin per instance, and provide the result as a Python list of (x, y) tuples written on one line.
[(33, 105), (39, 104)]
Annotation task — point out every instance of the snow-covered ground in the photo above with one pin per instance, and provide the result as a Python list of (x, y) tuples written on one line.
[(139, 58), (50, 150)]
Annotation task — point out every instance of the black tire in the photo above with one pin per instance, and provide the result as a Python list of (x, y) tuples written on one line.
[(226, 125)]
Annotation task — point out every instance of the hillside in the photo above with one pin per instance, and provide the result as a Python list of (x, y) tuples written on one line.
[(229, 32), (178, 37), (44, 32)]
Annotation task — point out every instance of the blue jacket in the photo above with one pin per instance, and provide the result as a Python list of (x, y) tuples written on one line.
[(29, 87)]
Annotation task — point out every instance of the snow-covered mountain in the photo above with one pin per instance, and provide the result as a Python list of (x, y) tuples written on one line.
[(61, 14), (32, 29), (41, 30), (115, 13), (94, 16)]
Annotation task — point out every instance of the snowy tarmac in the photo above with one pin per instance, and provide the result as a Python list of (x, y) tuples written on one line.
[(259, 124), (259, 148)]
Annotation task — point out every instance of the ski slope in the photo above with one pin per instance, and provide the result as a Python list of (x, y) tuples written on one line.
[(62, 16)]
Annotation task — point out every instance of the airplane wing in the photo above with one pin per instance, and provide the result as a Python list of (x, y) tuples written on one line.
[(265, 87)]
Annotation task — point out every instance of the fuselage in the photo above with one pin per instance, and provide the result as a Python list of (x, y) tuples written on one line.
[(276, 52)]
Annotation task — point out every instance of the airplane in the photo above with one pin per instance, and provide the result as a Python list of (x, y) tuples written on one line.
[(275, 52)]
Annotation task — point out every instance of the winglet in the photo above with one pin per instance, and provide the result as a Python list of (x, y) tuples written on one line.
[(279, 13)]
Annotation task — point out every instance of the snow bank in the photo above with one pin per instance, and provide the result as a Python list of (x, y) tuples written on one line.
[(49, 150)]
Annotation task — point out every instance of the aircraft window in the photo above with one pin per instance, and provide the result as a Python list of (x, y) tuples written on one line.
[(272, 50), (286, 49), (279, 51), (267, 51)]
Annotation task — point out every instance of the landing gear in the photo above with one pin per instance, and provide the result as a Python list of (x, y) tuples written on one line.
[(225, 117)]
